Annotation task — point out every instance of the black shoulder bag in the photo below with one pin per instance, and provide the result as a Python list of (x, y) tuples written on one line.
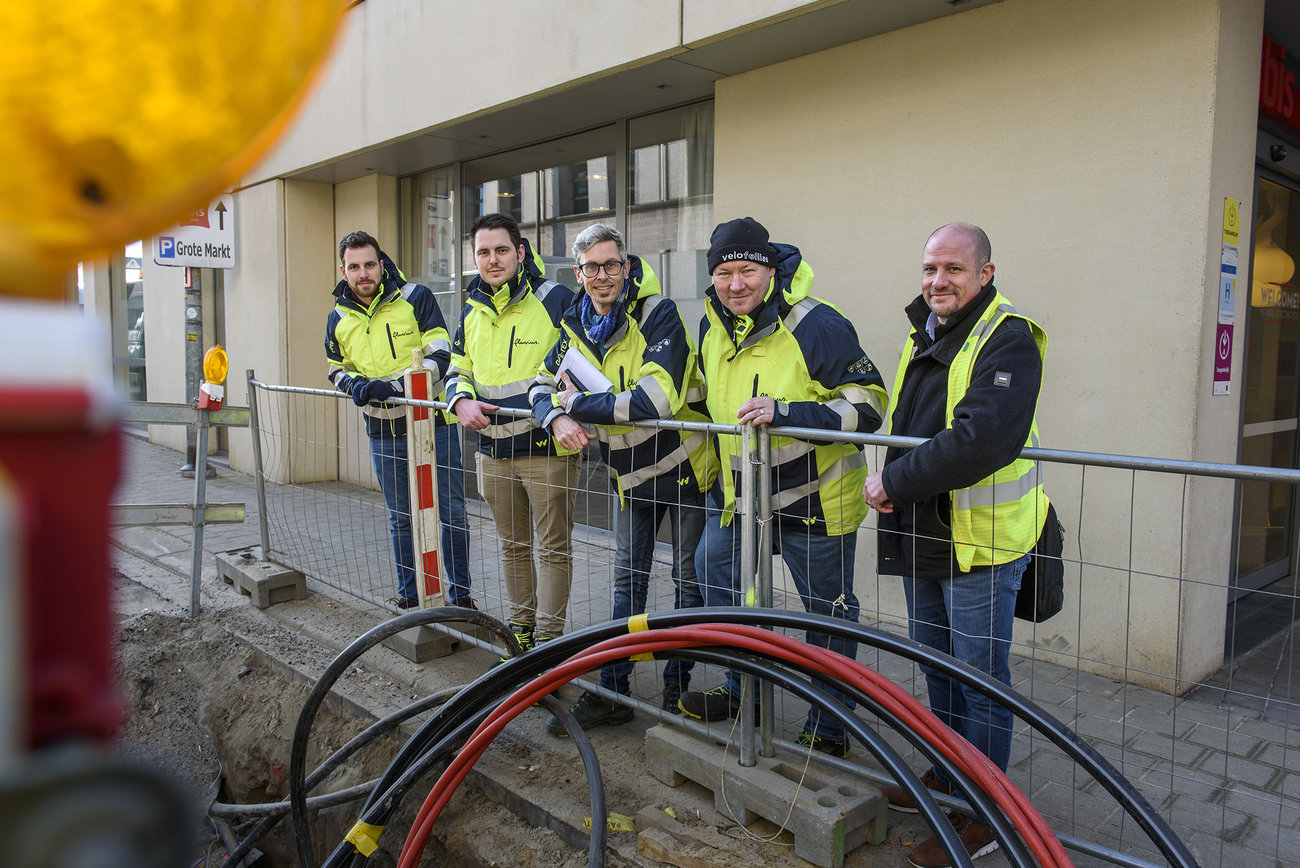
[(1042, 589)]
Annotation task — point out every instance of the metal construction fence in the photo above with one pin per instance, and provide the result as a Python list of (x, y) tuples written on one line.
[(1184, 686)]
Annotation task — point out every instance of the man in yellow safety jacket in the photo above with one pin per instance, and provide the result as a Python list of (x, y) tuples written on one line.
[(772, 354), (510, 320), (632, 344), (959, 513)]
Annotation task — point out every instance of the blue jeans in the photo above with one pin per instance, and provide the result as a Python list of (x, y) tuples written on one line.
[(822, 570), (969, 617), (635, 527), (388, 454)]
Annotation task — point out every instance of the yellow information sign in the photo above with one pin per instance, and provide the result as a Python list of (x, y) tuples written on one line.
[(1231, 221)]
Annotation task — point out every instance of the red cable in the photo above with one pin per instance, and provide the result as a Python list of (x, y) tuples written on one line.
[(1036, 833)]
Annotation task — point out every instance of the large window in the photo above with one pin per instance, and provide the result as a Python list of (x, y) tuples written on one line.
[(670, 215), (651, 176), (126, 307), (1271, 405)]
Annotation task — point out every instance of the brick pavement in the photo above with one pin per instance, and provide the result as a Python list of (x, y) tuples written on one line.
[(1217, 765)]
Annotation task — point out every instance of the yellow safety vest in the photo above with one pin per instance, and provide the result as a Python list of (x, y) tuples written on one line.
[(999, 518)]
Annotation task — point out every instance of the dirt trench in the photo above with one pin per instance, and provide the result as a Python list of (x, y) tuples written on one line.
[(215, 716)]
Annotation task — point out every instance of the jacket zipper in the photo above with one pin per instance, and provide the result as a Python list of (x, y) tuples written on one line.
[(622, 384), (391, 348), (510, 356)]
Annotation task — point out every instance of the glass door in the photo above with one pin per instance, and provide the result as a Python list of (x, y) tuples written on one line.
[(1271, 404)]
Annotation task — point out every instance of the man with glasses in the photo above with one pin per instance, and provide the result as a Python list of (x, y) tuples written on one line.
[(510, 319), (772, 354), (378, 318), (624, 332)]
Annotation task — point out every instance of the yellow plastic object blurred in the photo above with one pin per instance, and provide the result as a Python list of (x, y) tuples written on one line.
[(215, 365), (121, 118)]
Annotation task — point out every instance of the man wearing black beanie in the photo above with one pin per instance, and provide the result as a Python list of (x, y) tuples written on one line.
[(772, 354)]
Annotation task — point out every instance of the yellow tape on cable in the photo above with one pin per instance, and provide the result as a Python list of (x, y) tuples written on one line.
[(639, 624), (364, 837)]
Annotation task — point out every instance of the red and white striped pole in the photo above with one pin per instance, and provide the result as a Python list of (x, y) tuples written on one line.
[(422, 464)]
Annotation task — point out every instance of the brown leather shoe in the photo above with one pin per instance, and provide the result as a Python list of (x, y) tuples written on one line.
[(900, 801), (975, 836)]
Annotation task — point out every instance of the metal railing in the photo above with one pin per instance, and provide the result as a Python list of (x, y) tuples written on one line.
[(1207, 730)]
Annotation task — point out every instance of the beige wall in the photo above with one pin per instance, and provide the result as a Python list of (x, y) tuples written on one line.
[(366, 97), (277, 298), (1095, 142)]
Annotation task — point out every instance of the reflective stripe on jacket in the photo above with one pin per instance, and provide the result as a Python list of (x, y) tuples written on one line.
[(999, 518), (501, 340), (650, 358), (375, 343), (803, 352)]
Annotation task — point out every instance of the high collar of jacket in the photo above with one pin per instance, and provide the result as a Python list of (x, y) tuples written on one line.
[(532, 271), (390, 284), (641, 283), (791, 284), (948, 336)]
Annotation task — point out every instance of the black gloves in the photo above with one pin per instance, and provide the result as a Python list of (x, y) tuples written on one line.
[(375, 390)]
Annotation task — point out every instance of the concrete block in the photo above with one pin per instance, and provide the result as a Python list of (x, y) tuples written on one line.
[(264, 582), (419, 644), (832, 813)]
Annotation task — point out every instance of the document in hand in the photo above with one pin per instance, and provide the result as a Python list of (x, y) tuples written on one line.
[(586, 376)]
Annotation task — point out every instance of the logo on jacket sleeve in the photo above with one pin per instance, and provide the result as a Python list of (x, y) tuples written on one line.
[(862, 366)]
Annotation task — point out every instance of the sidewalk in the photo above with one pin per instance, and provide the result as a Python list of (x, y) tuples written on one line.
[(1220, 764)]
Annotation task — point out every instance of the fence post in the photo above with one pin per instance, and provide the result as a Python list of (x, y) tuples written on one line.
[(763, 520), (200, 508), (255, 429), (748, 549), (422, 475)]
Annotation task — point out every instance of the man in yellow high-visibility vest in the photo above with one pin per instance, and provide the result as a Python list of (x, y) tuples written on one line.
[(959, 513)]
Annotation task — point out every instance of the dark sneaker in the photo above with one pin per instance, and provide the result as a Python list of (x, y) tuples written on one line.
[(401, 602), (672, 695), (836, 747), (523, 635), (975, 836), (465, 603), (710, 705), (591, 710), (900, 801)]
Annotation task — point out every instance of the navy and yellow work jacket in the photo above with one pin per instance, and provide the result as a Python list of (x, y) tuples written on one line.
[(804, 353), (650, 358), (374, 342), (501, 340)]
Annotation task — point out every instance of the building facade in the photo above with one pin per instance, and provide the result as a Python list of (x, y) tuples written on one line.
[(1098, 142)]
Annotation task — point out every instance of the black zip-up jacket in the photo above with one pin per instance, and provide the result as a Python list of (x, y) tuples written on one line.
[(991, 424)]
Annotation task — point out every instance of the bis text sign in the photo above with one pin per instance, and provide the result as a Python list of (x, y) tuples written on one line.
[(205, 239)]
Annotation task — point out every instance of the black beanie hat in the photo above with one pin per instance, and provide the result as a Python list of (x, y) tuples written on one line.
[(744, 238)]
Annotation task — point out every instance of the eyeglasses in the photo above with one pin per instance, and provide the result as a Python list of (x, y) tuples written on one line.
[(613, 268)]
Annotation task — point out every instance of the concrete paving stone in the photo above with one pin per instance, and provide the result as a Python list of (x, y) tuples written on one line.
[(1179, 751), (1243, 771), (1044, 765), (1098, 730), (1284, 758), (1230, 825), (1264, 730), (1157, 717), (1052, 697), (1067, 811), (1224, 741), (1194, 708), (1210, 850), (1101, 707)]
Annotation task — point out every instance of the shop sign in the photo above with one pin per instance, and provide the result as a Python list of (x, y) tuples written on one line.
[(1277, 86)]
